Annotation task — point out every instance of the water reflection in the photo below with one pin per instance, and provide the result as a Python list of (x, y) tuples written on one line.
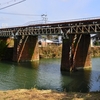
[(46, 74), (49, 76), (31, 65), (18, 75), (95, 75), (77, 81), (27, 74)]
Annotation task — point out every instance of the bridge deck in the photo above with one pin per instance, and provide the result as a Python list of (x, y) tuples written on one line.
[(86, 26)]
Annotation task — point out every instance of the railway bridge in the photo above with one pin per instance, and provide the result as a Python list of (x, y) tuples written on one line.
[(75, 35)]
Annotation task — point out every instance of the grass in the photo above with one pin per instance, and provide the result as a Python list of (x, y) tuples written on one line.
[(35, 94)]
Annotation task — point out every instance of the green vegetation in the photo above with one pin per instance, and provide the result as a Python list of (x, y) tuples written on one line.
[(50, 51), (95, 51), (56, 51), (3, 48), (97, 43)]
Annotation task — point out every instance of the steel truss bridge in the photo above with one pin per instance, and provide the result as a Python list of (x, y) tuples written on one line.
[(75, 50), (85, 26)]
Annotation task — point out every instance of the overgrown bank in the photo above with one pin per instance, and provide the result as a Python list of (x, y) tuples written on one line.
[(34, 94), (56, 51), (50, 52), (95, 51)]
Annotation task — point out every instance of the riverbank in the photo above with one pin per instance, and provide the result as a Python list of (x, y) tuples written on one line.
[(34, 94), (50, 51), (56, 51), (95, 51)]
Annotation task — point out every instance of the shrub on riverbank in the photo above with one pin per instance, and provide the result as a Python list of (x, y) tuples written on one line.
[(95, 51), (50, 52), (3, 48), (56, 51)]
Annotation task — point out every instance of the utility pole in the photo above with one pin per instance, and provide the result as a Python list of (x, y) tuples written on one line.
[(44, 17)]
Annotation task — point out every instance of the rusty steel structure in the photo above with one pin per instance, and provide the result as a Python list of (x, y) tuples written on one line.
[(75, 41), (85, 26)]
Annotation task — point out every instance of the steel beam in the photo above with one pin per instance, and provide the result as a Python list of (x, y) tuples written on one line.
[(88, 26)]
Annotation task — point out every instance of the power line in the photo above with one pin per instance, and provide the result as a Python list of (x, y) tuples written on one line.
[(12, 4), (18, 14), (4, 3)]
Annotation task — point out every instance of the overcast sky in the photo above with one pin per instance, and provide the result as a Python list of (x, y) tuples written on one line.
[(56, 10)]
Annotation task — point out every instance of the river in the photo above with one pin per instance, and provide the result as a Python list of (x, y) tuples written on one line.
[(46, 74)]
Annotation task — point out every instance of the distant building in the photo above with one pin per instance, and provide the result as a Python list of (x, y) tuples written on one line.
[(44, 41)]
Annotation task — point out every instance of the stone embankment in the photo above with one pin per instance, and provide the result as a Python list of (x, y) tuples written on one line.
[(56, 51)]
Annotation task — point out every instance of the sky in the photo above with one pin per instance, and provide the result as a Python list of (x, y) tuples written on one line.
[(56, 11)]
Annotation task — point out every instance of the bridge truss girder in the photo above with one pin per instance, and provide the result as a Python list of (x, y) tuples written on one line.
[(82, 29), (30, 31), (63, 28)]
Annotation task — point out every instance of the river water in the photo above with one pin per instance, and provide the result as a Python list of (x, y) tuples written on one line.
[(46, 74)]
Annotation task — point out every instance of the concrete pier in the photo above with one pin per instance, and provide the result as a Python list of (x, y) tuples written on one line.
[(26, 48), (82, 58)]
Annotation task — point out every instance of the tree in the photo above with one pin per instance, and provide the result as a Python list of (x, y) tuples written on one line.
[(3, 48)]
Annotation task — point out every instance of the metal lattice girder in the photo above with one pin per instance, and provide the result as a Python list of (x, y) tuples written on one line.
[(74, 29), (31, 31), (91, 28), (88, 26), (40, 31)]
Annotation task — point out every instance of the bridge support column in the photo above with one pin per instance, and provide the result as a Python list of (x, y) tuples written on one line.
[(26, 48), (82, 58)]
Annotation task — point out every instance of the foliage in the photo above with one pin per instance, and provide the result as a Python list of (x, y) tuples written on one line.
[(3, 48), (96, 43), (53, 51)]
